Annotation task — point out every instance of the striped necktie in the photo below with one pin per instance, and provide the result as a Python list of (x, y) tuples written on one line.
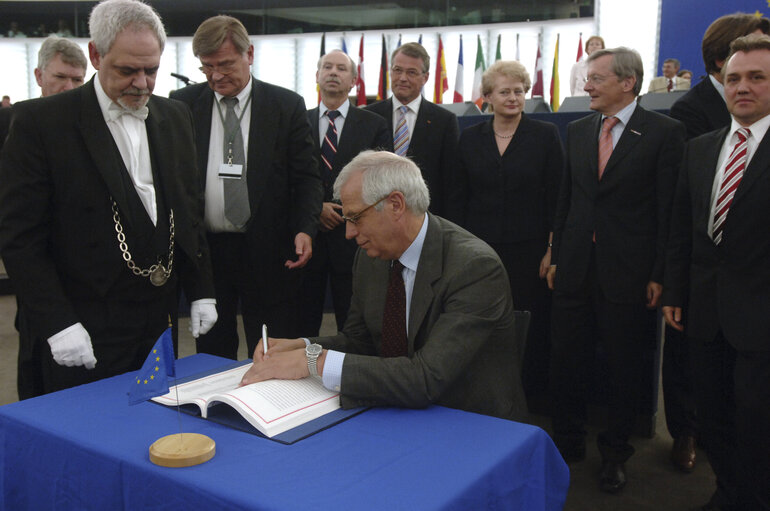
[(736, 165), (329, 150), (401, 138)]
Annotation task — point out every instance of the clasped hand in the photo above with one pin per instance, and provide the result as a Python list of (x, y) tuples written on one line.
[(285, 360)]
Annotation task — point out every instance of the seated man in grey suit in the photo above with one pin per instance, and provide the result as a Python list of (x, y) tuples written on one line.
[(431, 318)]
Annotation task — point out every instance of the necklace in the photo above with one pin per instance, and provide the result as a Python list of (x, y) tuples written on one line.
[(504, 136)]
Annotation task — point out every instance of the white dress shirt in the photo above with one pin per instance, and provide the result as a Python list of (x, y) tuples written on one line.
[(758, 130), (339, 122), (130, 135), (214, 216), (411, 114), (332, 377)]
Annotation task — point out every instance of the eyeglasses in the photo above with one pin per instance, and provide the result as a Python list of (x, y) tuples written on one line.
[(353, 219), (598, 79), (410, 73), (223, 69)]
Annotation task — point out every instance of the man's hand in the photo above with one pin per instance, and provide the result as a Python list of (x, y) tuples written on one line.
[(545, 263), (673, 316), (654, 290), (303, 246), (203, 315), (551, 276), (330, 216), (72, 347), (285, 360)]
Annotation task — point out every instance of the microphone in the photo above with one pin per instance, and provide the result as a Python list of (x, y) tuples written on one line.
[(183, 78)]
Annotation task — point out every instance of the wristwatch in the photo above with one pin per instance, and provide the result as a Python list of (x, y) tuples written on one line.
[(312, 351)]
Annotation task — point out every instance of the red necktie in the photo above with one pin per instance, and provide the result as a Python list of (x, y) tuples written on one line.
[(736, 164), (394, 317), (605, 143), (670, 85)]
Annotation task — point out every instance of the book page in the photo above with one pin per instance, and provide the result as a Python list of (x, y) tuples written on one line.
[(199, 391)]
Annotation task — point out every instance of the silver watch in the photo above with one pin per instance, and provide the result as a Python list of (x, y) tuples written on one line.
[(312, 352)]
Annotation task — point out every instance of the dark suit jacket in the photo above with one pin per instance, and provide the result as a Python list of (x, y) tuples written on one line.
[(629, 209), (285, 191), (462, 352), (362, 130), (512, 197), (57, 234), (701, 110), (5, 123), (432, 146), (729, 284)]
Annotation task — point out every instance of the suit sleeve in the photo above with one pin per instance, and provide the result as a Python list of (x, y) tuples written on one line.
[(449, 163), (26, 216), (383, 140), (679, 246), (305, 181), (554, 170), (563, 201), (459, 193), (469, 318), (691, 116), (669, 159)]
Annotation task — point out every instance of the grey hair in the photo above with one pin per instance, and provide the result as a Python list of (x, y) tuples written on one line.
[(70, 53), (111, 17), (353, 68), (626, 63), (383, 173)]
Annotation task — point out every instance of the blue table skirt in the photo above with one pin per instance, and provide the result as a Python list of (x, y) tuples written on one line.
[(85, 448)]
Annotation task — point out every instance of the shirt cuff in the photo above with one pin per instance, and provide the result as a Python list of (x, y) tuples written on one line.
[(332, 377)]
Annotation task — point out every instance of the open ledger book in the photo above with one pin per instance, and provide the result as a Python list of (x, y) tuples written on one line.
[(272, 406)]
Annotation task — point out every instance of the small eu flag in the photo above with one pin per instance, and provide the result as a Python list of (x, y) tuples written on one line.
[(152, 379)]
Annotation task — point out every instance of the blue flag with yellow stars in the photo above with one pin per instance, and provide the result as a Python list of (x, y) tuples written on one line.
[(152, 378)]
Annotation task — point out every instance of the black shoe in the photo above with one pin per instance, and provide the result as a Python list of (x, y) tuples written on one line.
[(612, 478)]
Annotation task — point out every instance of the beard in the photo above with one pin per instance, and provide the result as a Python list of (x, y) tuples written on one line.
[(137, 98)]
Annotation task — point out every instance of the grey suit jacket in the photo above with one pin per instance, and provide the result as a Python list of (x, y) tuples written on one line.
[(461, 351), (660, 84)]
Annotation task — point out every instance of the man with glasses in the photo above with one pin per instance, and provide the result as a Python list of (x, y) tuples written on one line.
[(341, 132), (431, 318), (610, 232), (422, 131), (263, 192)]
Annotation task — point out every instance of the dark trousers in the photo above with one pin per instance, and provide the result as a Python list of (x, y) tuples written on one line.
[(530, 293), (678, 392), (626, 334), (122, 333), (332, 263), (732, 391), (236, 291)]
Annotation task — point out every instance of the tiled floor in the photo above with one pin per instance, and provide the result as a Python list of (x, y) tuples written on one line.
[(653, 484)]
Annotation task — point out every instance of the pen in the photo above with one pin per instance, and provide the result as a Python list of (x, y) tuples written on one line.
[(264, 339)]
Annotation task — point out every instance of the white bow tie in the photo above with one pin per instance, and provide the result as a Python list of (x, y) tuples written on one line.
[(115, 111)]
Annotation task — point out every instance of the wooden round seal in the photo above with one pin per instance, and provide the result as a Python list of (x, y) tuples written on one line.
[(182, 450)]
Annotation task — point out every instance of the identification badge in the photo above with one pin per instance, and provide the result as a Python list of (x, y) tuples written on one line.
[(227, 171)]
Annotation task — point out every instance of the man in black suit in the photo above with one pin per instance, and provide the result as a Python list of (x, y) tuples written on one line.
[(5, 124), (430, 133), (608, 251), (339, 140), (262, 188), (100, 212), (701, 110), (717, 262)]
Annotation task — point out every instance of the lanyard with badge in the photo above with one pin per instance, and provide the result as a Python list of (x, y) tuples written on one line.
[(228, 170)]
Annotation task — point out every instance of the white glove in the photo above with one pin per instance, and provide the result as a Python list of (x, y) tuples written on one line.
[(72, 347), (203, 315)]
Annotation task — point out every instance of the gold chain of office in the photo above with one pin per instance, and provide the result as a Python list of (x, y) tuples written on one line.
[(157, 273)]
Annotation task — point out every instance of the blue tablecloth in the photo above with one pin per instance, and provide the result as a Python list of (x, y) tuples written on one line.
[(85, 448)]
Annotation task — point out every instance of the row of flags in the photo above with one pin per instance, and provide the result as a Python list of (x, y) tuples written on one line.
[(441, 84)]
